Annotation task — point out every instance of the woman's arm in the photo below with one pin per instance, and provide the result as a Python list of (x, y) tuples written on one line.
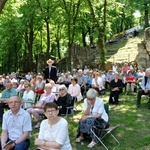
[(47, 145)]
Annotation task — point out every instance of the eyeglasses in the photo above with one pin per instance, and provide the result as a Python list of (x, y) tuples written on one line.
[(90, 98), (61, 89), (14, 102), (26, 86)]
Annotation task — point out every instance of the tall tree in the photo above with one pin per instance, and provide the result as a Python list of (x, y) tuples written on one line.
[(72, 10), (2, 4), (101, 26)]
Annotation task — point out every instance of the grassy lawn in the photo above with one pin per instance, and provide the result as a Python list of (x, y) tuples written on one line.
[(133, 132)]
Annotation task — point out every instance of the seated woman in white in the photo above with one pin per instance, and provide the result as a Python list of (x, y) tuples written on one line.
[(37, 109), (53, 130), (74, 89), (93, 108), (28, 96)]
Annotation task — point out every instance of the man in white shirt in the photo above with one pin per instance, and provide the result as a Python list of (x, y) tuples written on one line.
[(16, 126)]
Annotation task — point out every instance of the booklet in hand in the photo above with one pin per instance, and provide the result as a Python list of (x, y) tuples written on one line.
[(8, 145)]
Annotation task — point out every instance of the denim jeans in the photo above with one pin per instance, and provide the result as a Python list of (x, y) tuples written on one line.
[(20, 146)]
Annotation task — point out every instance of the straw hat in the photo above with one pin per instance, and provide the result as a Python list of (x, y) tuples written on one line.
[(49, 61)]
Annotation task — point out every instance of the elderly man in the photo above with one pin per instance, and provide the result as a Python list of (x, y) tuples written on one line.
[(16, 126), (145, 87), (6, 94)]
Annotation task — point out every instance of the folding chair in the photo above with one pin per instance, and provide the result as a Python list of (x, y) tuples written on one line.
[(105, 132), (70, 109)]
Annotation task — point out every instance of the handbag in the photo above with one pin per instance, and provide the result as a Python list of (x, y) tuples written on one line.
[(100, 123)]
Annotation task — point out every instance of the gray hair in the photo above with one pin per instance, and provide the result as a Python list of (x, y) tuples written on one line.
[(148, 70), (62, 86), (91, 93), (16, 97), (48, 85)]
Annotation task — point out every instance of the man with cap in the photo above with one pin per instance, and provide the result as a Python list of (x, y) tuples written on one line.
[(50, 72)]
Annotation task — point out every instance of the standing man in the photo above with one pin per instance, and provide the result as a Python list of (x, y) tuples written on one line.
[(16, 126), (50, 72), (6, 94)]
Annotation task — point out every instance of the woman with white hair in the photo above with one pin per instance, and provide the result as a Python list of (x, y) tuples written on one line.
[(64, 99), (93, 108)]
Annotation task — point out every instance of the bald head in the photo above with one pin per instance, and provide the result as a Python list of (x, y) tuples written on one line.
[(147, 72)]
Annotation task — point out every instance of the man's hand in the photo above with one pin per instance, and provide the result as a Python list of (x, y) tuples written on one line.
[(145, 91), (9, 146)]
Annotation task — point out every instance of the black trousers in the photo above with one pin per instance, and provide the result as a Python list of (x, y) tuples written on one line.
[(139, 95), (2, 106), (114, 96)]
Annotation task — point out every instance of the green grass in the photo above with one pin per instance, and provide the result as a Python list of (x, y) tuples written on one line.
[(133, 132)]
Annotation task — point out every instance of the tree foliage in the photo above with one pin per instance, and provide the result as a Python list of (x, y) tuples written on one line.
[(51, 27)]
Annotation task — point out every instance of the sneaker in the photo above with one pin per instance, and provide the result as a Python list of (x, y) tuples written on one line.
[(92, 144), (37, 125), (79, 139)]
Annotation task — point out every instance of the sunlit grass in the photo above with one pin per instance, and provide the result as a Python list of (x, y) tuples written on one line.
[(133, 132)]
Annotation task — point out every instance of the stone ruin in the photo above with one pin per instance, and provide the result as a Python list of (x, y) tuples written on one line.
[(143, 57), (87, 56)]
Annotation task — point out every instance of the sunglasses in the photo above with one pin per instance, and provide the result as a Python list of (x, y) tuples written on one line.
[(26, 86)]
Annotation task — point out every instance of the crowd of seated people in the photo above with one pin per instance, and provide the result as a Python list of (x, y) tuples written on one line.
[(81, 80), (70, 85)]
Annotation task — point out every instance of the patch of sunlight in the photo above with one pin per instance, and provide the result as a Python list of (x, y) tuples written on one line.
[(126, 53)]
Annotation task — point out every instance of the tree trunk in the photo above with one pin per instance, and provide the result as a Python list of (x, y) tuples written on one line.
[(146, 15), (58, 48), (101, 32), (2, 4), (84, 38), (48, 40)]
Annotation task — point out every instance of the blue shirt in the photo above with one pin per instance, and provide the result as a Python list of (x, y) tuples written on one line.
[(8, 93), (147, 86), (16, 124)]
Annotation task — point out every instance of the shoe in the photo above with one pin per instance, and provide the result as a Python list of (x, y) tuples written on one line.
[(91, 145), (37, 125), (79, 139)]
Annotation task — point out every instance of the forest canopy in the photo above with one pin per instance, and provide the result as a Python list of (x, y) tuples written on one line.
[(31, 29)]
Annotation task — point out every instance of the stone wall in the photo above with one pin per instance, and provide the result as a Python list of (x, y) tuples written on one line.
[(143, 57)]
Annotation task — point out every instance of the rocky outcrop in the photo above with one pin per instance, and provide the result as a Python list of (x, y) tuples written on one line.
[(143, 57)]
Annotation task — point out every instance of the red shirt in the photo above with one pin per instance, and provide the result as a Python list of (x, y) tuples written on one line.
[(130, 79), (125, 69)]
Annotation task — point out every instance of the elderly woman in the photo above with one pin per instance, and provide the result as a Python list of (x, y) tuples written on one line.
[(63, 100), (97, 82), (130, 82), (74, 89), (28, 95), (53, 130), (37, 109), (39, 85), (21, 87), (116, 86), (93, 108)]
